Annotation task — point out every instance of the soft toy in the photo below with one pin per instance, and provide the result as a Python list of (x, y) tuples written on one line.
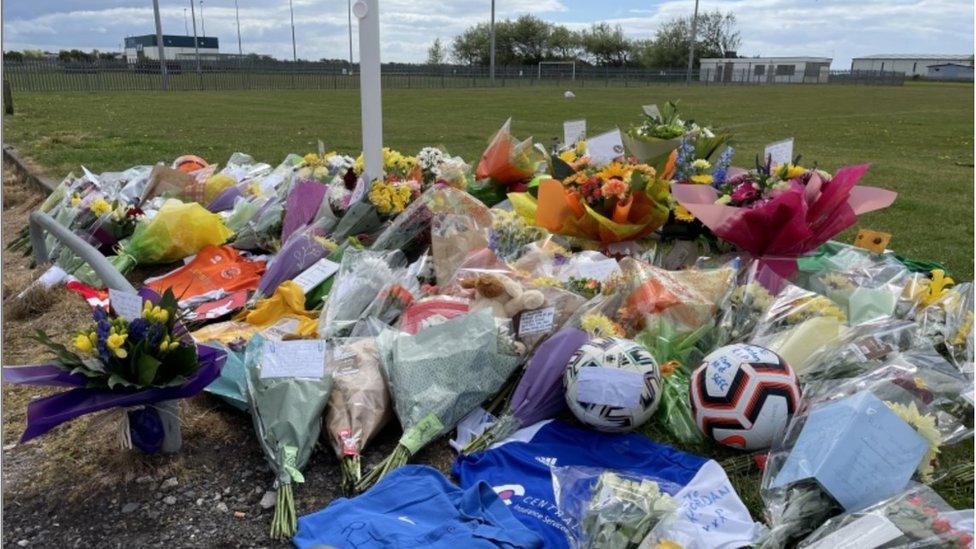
[(504, 296)]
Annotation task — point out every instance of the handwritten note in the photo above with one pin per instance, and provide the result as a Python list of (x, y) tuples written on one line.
[(780, 152), (652, 111), (574, 131), (609, 387), (314, 275), (302, 358), (280, 329), (598, 270), (857, 449), (536, 321), (605, 147), (126, 305)]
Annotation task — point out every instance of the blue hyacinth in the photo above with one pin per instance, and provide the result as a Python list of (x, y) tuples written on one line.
[(682, 165), (138, 329), (722, 167)]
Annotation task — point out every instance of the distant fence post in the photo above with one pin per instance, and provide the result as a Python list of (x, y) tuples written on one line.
[(8, 98)]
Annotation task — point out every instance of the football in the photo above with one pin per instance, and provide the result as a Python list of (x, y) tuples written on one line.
[(742, 395), (612, 384)]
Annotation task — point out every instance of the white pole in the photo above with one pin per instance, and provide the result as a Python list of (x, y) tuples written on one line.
[(159, 45), (186, 23), (196, 47), (491, 52), (368, 14), (691, 46), (203, 26)]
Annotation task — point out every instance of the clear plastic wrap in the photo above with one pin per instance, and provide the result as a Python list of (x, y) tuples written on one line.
[(362, 277), (917, 517), (948, 325), (605, 509)]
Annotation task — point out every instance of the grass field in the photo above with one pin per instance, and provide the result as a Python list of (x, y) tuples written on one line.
[(918, 139)]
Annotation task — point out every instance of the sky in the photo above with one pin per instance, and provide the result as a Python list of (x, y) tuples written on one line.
[(840, 29)]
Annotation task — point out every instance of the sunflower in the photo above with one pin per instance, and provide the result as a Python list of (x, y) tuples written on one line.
[(682, 214), (614, 170), (924, 424)]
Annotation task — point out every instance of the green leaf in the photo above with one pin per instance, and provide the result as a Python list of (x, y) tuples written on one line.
[(116, 380), (560, 169), (146, 368), (637, 182), (61, 353)]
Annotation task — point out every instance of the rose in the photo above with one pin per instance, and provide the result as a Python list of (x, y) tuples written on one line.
[(747, 191)]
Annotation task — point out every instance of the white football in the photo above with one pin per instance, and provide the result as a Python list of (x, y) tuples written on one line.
[(569, 94), (742, 396), (612, 384)]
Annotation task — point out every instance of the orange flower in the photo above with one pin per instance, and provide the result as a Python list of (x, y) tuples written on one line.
[(614, 188)]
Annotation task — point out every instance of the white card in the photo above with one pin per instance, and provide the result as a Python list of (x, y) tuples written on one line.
[(301, 358), (125, 305), (652, 111), (314, 275), (321, 148), (780, 152), (278, 330), (358, 191), (598, 270), (609, 386), (574, 131), (603, 148), (536, 321), (271, 182), (867, 532)]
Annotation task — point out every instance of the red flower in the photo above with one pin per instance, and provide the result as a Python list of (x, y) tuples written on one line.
[(941, 525), (965, 541)]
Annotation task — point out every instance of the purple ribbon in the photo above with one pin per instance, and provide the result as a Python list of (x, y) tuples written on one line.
[(47, 413)]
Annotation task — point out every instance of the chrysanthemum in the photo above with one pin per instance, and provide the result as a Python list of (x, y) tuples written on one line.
[(924, 424)]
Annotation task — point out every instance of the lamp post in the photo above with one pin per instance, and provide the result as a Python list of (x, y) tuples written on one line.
[(691, 45), (159, 46), (186, 25), (491, 51), (294, 49), (196, 46), (203, 26), (349, 9)]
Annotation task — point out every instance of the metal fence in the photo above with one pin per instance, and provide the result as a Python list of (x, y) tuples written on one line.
[(240, 74)]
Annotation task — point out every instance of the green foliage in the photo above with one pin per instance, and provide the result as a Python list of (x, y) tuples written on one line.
[(436, 53)]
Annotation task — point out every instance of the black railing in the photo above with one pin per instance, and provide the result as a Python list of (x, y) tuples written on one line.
[(243, 74)]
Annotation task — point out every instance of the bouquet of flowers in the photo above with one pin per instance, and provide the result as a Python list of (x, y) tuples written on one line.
[(508, 162), (433, 386), (121, 363), (539, 394), (920, 517), (660, 133), (359, 405), (610, 509), (395, 164), (364, 275), (782, 212), (287, 414), (619, 201)]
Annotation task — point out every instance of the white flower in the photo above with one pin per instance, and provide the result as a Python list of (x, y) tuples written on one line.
[(701, 164), (337, 194), (430, 157), (451, 170), (339, 163)]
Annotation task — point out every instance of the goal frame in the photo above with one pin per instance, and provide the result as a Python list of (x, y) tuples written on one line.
[(571, 63)]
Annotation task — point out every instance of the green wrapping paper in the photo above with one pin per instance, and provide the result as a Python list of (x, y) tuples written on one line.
[(287, 413)]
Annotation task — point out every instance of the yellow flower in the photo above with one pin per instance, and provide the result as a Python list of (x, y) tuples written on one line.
[(598, 325), (100, 206), (789, 171), (75, 200), (614, 170), (667, 544), (312, 159), (84, 343), (938, 285), (702, 179), (568, 156), (154, 313), (544, 281), (115, 344), (925, 425), (814, 306), (964, 329), (168, 344), (682, 214)]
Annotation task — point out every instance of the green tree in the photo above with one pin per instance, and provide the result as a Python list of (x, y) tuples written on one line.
[(716, 36), (564, 43), (13, 56), (436, 54), (607, 45), (527, 39), (471, 46)]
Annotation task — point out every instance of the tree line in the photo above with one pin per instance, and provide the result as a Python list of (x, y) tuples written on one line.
[(528, 40)]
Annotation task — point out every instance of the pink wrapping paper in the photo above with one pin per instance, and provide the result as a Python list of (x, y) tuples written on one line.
[(795, 222)]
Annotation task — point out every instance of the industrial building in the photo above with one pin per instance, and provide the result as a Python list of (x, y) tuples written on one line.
[(951, 71), (175, 47), (766, 70), (911, 65)]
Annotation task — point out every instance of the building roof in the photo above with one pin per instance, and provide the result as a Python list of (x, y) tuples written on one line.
[(762, 59), (171, 40), (920, 57)]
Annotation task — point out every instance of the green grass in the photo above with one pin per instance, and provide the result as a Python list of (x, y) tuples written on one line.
[(918, 139)]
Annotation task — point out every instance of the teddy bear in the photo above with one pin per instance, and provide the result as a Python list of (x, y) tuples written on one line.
[(504, 296)]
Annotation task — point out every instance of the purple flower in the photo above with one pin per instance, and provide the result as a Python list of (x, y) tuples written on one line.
[(138, 329)]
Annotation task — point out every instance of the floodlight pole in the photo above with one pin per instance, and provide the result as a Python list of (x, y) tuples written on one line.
[(186, 23), (294, 49), (237, 15), (691, 45), (159, 45), (203, 25), (196, 47), (370, 91), (491, 51), (349, 10)]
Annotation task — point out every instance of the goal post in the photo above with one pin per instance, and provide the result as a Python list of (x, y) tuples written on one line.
[(571, 64)]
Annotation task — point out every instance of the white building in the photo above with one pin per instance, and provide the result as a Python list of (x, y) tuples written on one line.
[(911, 65), (140, 48), (766, 70)]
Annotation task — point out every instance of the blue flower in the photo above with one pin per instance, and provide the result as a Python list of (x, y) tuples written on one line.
[(682, 165), (722, 167), (154, 335), (137, 329)]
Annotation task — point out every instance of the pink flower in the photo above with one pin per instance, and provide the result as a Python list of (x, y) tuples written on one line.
[(746, 191), (614, 188), (941, 525)]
